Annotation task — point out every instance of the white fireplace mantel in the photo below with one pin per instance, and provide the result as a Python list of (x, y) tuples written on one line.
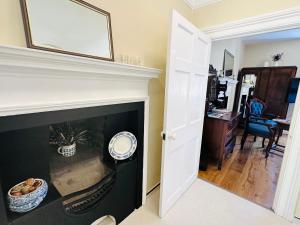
[(36, 81)]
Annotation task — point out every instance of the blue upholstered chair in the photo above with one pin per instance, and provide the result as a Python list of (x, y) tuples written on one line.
[(259, 124)]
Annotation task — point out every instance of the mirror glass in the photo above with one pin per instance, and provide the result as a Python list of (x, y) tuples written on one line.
[(68, 26), (228, 63)]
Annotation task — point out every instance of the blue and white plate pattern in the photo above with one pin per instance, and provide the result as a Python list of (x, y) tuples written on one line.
[(122, 145), (29, 206)]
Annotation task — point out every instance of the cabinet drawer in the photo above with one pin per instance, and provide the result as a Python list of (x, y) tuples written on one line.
[(232, 133), (233, 123)]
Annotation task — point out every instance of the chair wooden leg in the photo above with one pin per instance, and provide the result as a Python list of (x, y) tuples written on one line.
[(219, 165), (269, 146), (280, 132), (244, 139)]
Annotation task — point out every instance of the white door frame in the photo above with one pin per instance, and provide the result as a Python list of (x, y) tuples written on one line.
[(289, 179)]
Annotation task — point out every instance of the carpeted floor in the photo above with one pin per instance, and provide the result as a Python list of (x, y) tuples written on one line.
[(205, 204)]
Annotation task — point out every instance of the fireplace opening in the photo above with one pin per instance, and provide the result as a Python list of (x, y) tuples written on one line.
[(85, 165), (69, 150)]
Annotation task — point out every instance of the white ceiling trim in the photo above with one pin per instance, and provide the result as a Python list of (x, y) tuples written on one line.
[(286, 35), (195, 4), (271, 22)]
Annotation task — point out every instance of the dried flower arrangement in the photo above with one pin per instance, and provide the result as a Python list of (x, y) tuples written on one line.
[(277, 57), (64, 135)]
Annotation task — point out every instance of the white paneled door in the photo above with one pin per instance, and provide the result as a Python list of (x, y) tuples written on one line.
[(186, 83)]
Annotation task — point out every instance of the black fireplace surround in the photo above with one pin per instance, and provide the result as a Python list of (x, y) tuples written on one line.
[(26, 152)]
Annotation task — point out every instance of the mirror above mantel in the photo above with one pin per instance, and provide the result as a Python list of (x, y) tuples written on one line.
[(68, 26)]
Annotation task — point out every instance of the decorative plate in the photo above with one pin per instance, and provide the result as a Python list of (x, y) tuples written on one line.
[(122, 145)]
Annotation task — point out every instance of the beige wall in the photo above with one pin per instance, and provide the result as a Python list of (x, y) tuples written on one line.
[(230, 10), (257, 54), (140, 28)]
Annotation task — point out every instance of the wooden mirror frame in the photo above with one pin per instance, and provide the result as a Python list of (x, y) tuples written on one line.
[(224, 59), (238, 89), (30, 43)]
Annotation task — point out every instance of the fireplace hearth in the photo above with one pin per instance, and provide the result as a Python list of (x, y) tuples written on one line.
[(83, 187)]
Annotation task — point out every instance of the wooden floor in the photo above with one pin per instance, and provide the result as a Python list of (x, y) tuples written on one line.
[(247, 173)]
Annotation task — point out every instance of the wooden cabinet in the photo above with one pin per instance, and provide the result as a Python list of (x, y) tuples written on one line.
[(272, 86), (219, 137)]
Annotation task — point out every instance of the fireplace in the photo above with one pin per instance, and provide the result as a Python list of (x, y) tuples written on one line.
[(40, 89), (84, 187)]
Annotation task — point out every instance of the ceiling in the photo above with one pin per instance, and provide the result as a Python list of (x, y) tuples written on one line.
[(274, 36), (195, 4)]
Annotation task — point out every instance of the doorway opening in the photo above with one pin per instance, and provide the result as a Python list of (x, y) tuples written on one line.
[(251, 93)]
